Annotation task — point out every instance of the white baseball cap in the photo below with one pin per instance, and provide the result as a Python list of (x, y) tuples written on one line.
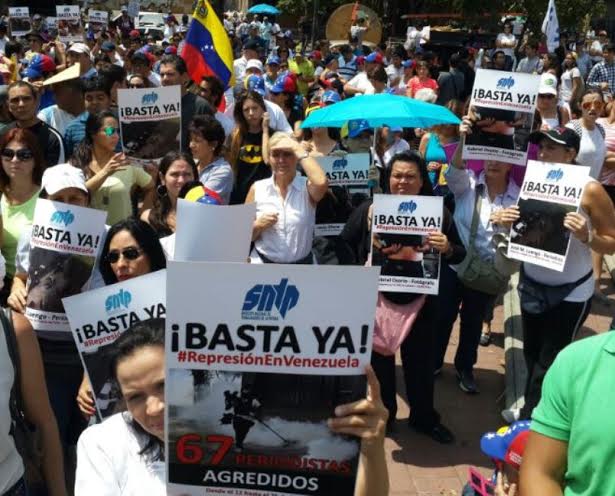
[(254, 64), (79, 48), (63, 176), (548, 84)]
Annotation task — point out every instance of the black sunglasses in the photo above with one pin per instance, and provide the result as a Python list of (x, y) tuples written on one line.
[(128, 253), (22, 154), (136, 86)]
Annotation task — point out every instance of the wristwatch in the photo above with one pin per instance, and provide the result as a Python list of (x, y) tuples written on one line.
[(305, 155)]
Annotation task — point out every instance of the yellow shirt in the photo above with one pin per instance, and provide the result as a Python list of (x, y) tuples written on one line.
[(305, 69)]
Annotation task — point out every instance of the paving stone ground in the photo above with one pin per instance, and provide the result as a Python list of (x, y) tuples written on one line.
[(421, 467)]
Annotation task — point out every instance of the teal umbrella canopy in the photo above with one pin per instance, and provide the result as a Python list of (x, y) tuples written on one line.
[(264, 9), (381, 110)]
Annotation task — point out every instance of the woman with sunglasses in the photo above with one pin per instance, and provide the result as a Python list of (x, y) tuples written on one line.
[(286, 204), (20, 178), (110, 177), (176, 169), (131, 250), (549, 111), (124, 455), (138, 81), (207, 147)]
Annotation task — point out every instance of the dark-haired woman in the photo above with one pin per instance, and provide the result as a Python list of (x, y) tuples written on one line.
[(20, 178), (249, 152), (131, 250), (125, 454), (176, 169), (407, 175), (206, 145), (110, 177)]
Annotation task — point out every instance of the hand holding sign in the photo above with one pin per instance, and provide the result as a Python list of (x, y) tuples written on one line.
[(577, 225), (505, 217), (439, 242), (366, 418)]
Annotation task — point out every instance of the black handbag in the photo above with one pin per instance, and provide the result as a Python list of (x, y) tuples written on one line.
[(536, 297)]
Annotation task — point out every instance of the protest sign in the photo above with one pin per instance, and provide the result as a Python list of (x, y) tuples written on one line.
[(245, 360), (70, 29), (502, 108), (133, 9), (97, 20), (548, 193), (19, 21), (52, 24), (98, 318), (347, 170), (213, 233), (400, 225), (64, 244), (150, 122)]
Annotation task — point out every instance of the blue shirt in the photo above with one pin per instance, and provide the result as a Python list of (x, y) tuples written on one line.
[(75, 132)]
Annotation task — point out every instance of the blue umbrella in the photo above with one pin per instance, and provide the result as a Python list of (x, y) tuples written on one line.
[(263, 8), (380, 110)]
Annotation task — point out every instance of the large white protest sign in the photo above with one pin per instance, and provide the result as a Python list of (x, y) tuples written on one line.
[(502, 108), (213, 233), (400, 225), (98, 318), (245, 358), (150, 122), (70, 29), (65, 242), (348, 170), (548, 193), (97, 20), (19, 21)]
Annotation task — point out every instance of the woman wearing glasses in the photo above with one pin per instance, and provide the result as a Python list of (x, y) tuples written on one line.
[(131, 249), (110, 178), (20, 179), (137, 81), (286, 204), (592, 152)]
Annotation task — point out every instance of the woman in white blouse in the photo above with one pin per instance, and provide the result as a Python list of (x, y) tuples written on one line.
[(286, 204)]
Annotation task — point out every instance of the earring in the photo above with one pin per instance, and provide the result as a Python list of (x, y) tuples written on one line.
[(161, 190)]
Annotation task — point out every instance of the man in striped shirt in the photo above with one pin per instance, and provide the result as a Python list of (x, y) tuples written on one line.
[(347, 64)]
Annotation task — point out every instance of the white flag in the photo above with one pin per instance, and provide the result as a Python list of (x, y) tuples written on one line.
[(550, 27)]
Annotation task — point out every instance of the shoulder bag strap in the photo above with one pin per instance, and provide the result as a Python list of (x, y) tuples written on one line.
[(478, 200), (15, 402)]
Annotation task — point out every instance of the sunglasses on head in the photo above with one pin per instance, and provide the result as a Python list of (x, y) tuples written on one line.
[(128, 253), (110, 130), (22, 154), (597, 104)]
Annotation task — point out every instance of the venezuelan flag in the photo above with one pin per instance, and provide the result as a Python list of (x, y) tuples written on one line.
[(207, 50)]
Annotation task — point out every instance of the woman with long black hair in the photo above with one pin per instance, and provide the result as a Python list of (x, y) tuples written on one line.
[(407, 175)]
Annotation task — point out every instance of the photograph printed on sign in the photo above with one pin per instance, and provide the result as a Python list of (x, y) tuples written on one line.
[(19, 21), (70, 29), (257, 422), (502, 111), (98, 20), (548, 193)]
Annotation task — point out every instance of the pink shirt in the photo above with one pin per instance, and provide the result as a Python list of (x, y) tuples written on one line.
[(607, 176), (415, 84)]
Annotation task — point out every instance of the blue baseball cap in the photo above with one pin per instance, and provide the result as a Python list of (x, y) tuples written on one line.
[(408, 63), (273, 60), (331, 96), (284, 83), (356, 127), (507, 444), (256, 83)]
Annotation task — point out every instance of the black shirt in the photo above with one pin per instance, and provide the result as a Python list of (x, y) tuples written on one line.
[(192, 105), (250, 167)]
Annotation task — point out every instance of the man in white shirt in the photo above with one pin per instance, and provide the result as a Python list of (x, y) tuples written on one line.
[(360, 84), (395, 71), (358, 30), (250, 52)]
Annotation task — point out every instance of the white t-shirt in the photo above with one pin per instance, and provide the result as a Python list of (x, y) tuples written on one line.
[(361, 82), (277, 117), (508, 38), (358, 32), (592, 151), (596, 45), (565, 89), (109, 463), (397, 147), (57, 118)]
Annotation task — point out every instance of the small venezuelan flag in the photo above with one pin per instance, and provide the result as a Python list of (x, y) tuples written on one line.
[(207, 50)]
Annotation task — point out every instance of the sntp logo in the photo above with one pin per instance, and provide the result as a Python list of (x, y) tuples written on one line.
[(118, 300), (506, 83), (149, 98), (59, 217), (406, 207), (262, 298), (555, 174), (340, 164)]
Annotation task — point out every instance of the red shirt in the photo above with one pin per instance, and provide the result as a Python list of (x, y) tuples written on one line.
[(415, 84)]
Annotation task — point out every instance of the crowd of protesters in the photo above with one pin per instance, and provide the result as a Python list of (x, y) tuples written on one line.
[(59, 139)]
